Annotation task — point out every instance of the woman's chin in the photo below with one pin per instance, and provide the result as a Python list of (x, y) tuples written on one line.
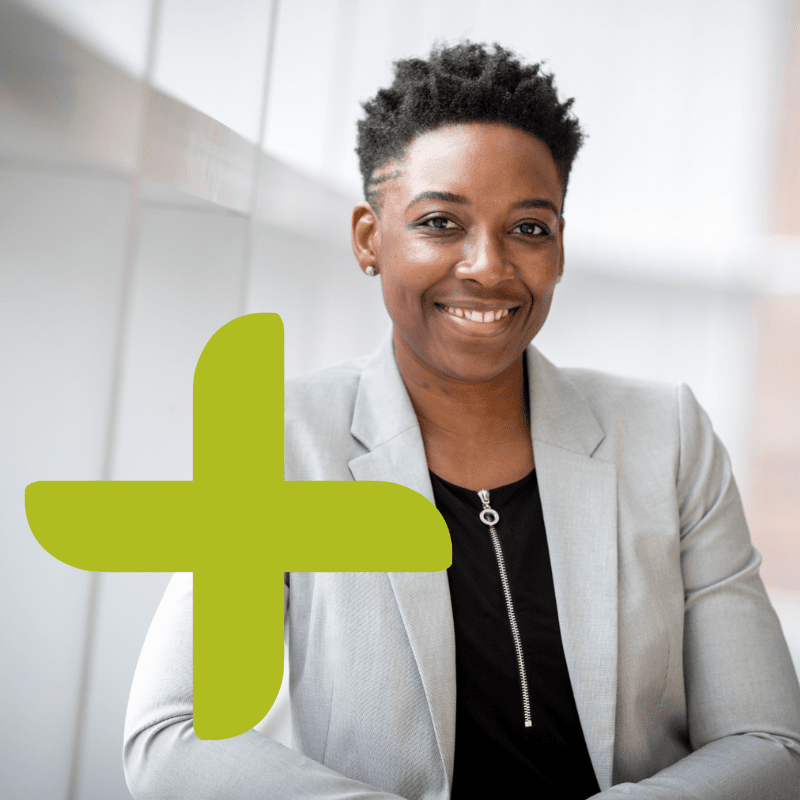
[(467, 367), (456, 356)]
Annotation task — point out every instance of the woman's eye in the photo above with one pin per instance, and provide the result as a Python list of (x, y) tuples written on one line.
[(530, 229), (439, 223)]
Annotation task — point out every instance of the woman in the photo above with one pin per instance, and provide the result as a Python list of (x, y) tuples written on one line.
[(603, 630)]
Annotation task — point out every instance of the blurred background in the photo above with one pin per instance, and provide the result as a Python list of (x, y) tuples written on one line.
[(168, 165)]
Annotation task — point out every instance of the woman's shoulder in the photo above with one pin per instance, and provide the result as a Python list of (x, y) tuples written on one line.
[(609, 394), (633, 410), (337, 380), (318, 414), (609, 389), (325, 396), (334, 389), (638, 413)]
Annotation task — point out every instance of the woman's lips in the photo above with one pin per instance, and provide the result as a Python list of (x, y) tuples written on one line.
[(477, 316), (474, 321)]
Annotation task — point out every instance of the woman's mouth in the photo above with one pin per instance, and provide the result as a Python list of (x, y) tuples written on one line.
[(477, 316), (470, 319)]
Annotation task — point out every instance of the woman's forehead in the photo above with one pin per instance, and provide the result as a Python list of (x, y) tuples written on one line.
[(473, 159)]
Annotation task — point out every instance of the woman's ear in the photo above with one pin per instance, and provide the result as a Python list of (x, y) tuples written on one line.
[(366, 235), (561, 223)]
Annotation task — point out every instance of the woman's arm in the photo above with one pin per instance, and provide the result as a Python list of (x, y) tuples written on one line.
[(742, 694), (163, 758)]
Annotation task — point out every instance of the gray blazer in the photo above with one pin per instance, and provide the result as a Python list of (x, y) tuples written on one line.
[(681, 675)]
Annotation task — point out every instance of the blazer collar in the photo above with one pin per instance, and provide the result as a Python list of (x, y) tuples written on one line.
[(384, 421), (560, 414), (579, 501)]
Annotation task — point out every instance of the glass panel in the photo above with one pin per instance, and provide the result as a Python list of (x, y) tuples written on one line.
[(116, 29), (212, 56), (303, 80)]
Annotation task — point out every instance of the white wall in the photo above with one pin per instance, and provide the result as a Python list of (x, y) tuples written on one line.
[(60, 269)]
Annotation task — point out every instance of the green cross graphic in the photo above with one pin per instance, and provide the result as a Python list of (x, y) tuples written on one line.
[(238, 526)]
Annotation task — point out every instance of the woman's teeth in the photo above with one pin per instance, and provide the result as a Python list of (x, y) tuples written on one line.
[(477, 316)]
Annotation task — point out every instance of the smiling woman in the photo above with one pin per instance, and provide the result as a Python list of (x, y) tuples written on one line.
[(469, 247), (603, 630)]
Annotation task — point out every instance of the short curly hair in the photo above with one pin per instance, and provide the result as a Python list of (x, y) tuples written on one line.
[(465, 82)]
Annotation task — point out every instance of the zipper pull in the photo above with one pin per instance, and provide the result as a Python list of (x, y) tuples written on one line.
[(488, 516)]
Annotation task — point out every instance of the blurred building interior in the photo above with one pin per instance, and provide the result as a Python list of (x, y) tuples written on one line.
[(168, 165)]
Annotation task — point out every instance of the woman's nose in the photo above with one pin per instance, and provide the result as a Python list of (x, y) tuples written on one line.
[(485, 261)]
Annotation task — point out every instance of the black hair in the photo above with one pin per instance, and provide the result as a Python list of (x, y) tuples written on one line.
[(465, 82)]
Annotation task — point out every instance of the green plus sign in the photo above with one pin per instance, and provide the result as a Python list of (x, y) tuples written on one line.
[(238, 526)]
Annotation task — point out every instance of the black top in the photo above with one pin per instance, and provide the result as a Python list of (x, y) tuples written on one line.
[(495, 754)]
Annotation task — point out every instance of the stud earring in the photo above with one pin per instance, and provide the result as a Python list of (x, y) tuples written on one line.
[(558, 279), (370, 270)]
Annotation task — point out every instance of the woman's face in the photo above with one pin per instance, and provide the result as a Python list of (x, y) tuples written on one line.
[(468, 246)]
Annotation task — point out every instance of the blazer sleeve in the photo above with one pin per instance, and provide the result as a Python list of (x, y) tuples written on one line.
[(742, 693), (164, 760)]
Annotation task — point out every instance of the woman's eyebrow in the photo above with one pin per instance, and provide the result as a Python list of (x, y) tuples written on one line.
[(535, 202), (448, 197)]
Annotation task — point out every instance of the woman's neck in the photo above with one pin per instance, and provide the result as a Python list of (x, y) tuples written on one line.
[(465, 415)]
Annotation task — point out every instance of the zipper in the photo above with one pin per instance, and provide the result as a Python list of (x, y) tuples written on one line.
[(490, 518)]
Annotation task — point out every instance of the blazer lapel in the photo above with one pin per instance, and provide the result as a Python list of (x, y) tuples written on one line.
[(384, 421), (579, 502)]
